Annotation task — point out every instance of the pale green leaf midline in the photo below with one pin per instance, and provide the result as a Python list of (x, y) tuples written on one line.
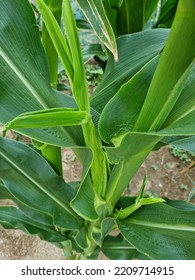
[(162, 226), (119, 247), (34, 182), (23, 79), (96, 15), (99, 19), (181, 116)]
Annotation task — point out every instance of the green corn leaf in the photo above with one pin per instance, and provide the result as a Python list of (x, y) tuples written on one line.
[(45, 193), (81, 95), (129, 17), (52, 56), (57, 38), (181, 204), (173, 68), (24, 67), (16, 61), (96, 15), (48, 118), (4, 194), (122, 111), (127, 157), (139, 202), (84, 202), (167, 14), (83, 24), (184, 126), (124, 213), (185, 143), (31, 213), (94, 50), (161, 232), (81, 238), (191, 194), (134, 52), (126, 201), (132, 15), (186, 102), (180, 121), (148, 8), (115, 3), (79, 85), (117, 248), (131, 145), (130, 152), (121, 175), (171, 100), (99, 233), (14, 218)]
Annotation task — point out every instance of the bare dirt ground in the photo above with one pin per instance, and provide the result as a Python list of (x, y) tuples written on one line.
[(167, 176)]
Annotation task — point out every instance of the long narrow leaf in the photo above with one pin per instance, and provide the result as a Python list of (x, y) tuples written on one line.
[(176, 58), (57, 37), (84, 202), (14, 218), (52, 55), (15, 61), (134, 52), (133, 15), (24, 77), (186, 101), (96, 15), (167, 13), (48, 118), (172, 98), (131, 144), (161, 232), (184, 126), (185, 143), (4, 194), (122, 111), (80, 90), (45, 193), (117, 248)]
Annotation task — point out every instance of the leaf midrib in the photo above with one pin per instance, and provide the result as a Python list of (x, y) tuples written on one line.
[(26, 175), (177, 227), (25, 81), (119, 247)]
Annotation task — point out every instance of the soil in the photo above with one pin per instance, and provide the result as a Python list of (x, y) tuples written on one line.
[(167, 177)]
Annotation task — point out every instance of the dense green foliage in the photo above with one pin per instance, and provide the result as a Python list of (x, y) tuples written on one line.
[(145, 100)]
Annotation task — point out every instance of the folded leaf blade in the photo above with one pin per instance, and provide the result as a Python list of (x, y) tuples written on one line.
[(48, 118)]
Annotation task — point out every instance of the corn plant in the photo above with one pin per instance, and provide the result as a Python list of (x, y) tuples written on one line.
[(145, 100)]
